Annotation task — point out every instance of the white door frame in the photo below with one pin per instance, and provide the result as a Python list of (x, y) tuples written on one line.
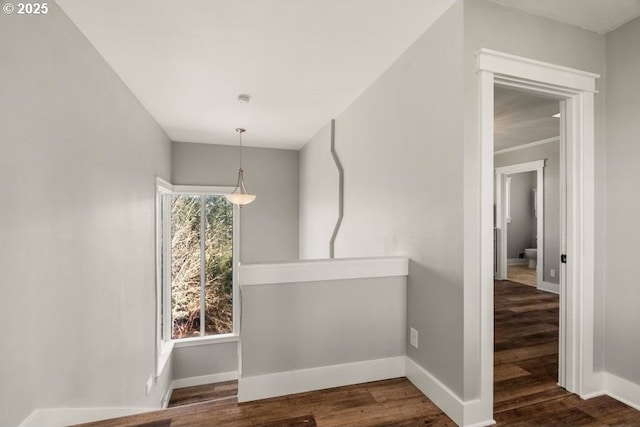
[(576, 308), (501, 177)]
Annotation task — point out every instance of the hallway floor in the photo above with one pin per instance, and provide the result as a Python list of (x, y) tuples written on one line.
[(522, 274), (526, 366)]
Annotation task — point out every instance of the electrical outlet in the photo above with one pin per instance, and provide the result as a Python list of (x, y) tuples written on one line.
[(552, 273), (413, 337), (150, 382)]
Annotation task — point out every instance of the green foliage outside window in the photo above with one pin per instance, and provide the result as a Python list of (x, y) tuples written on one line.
[(188, 266)]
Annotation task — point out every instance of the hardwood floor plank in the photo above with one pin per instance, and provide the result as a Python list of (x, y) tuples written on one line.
[(535, 307), (524, 353), (547, 405), (203, 393), (610, 411), (508, 371), (380, 414), (396, 389)]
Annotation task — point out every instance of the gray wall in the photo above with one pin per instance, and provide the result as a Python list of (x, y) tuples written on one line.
[(551, 153), (78, 160), (522, 228), (623, 202), (319, 196), (495, 27), (293, 326), (268, 226), (199, 360), (400, 144)]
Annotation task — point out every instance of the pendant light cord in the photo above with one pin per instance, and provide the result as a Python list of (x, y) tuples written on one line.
[(240, 131)]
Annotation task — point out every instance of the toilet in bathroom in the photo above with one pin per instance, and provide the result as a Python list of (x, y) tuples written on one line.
[(532, 256)]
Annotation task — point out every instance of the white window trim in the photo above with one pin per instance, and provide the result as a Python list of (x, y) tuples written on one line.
[(164, 342)]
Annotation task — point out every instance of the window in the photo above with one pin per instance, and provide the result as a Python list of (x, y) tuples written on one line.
[(196, 247)]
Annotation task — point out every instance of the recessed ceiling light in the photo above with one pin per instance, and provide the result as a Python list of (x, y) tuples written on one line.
[(557, 115)]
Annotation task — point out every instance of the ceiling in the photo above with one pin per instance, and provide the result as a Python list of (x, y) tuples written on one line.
[(521, 118), (303, 62), (600, 16)]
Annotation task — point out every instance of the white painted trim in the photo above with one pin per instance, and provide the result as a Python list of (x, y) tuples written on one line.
[(164, 357), (502, 198), (554, 288), (291, 382), (60, 417), (322, 270), (206, 340), (528, 145), (517, 261), (204, 379), (577, 88), (201, 189), (436, 391), (163, 186), (521, 167), (462, 413), (524, 68), (623, 390)]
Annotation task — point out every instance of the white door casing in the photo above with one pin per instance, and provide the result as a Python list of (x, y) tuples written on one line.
[(577, 88)]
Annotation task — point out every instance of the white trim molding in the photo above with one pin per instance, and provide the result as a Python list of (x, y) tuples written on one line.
[(623, 390), (528, 145), (518, 67), (462, 413), (503, 200), (302, 380), (204, 379), (321, 270), (576, 89), (554, 288)]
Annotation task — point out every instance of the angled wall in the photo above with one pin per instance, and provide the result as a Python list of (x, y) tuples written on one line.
[(319, 196), (78, 161)]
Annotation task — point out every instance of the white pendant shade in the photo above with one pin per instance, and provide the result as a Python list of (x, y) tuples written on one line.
[(240, 199), (240, 195)]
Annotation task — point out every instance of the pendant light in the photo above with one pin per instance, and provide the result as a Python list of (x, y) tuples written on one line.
[(239, 196)]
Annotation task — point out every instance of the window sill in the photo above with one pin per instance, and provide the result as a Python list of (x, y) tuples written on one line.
[(216, 339)]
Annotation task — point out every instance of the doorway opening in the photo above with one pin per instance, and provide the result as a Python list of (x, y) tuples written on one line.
[(576, 317), (527, 148)]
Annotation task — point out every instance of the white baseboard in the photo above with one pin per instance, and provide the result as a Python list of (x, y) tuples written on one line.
[(554, 288), (468, 414), (283, 383), (437, 392), (199, 380), (60, 417), (623, 390), (517, 261)]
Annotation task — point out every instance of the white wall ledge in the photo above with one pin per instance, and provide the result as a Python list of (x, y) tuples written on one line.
[(322, 270)]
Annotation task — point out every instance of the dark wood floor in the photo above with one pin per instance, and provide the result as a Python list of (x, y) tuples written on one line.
[(203, 393), (526, 394), (526, 367)]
